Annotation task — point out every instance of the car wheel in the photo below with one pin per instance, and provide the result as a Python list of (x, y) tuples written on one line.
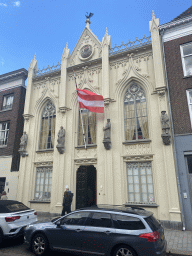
[(39, 244), (124, 250)]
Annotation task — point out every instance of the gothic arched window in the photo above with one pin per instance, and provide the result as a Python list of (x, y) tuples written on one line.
[(47, 133), (89, 125), (135, 114)]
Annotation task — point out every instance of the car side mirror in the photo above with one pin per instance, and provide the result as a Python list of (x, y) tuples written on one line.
[(58, 223)]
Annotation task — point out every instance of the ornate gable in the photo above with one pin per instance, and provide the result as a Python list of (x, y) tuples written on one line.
[(87, 48)]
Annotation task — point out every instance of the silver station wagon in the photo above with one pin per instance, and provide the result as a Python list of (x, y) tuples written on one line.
[(100, 230)]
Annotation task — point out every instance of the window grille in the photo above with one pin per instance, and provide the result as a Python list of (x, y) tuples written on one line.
[(43, 183), (135, 114), (4, 133), (140, 182), (47, 133), (7, 102), (186, 55), (89, 125)]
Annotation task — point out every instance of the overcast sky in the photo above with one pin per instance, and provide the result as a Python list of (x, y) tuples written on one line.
[(44, 26)]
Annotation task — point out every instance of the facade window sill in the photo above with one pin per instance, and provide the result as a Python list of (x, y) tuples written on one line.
[(136, 142), (187, 77), (40, 201), (87, 146), (149, 205), (45, 150), (4, 110), (3, 146)]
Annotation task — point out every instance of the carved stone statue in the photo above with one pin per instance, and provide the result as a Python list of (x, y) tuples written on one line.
[(165, 128), (107, 135), (23, 144), (61, 140)]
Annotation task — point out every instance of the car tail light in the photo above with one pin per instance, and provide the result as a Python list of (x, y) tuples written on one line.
[(35, 213), (10, 219), (151, 237)]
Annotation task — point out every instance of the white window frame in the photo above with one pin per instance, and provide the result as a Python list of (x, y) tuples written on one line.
[(183, 58), (4, 133), (6, 99), (135, 182), (189, 104), (43, 186)]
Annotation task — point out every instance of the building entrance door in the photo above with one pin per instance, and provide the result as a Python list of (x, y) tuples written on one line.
[(86, 186), (2, 184)]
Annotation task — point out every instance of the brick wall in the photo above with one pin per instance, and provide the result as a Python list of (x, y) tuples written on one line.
[(16, 123), (178, 85)]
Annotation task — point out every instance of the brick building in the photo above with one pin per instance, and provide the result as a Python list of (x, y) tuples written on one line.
[(12, 98), (177, 44)]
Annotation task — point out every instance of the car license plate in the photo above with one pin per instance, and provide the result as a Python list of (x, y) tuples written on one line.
[(162, 236)]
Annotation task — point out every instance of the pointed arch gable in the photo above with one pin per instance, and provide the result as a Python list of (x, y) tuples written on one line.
[(47, 125)]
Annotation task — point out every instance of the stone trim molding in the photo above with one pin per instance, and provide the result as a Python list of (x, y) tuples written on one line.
[(43, 164), (86, 161), (137, 158)]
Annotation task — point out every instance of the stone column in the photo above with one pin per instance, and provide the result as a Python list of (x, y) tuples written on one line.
[(63, 84), (157, 52), (106, 43)]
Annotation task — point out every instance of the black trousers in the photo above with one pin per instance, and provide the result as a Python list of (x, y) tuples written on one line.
[(66, 209)]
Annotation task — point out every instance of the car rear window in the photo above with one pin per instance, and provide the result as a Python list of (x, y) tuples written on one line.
[(153, 223), (13, 207), (127, 222)]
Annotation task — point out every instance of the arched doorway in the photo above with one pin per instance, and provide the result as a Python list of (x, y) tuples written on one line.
[(86, 186)]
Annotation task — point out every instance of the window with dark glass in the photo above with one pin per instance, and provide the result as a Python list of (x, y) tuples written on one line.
[(100, 220), (4, 133), (127, 222), (7, 102), (77, 218), (47, 133), (87, 122), (135, 114), (186, 55)]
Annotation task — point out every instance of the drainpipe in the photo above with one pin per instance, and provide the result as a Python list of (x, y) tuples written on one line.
[(172, 129)]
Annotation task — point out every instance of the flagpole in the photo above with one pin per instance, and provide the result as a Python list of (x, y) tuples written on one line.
[(80, 114)]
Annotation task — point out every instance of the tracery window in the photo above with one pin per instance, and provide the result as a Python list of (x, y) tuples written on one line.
[(135, 114), (89, 125), (47, 133), (140, 182), (43, 183)]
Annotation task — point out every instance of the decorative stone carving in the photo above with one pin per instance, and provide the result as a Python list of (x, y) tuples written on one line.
[(23, 145), (43, 164), (165, 128), (61, 140), (107, 135), (86, 161), (137, 158)]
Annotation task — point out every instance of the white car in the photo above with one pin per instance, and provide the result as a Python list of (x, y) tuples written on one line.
[(14, 217)]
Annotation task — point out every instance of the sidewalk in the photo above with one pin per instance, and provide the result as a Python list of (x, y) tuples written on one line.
[(178, 242)]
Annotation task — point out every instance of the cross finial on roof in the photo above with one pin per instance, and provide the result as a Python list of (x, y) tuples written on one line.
[(88, 16), (34, 57), (67, 45)]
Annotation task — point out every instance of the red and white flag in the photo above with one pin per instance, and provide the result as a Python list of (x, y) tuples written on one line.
[(91, 101)]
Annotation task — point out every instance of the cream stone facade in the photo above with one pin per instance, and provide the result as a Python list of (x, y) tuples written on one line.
[(109, 72)]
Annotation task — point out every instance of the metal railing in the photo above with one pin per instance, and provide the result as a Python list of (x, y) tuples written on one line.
[(48, 70), (130, 45)]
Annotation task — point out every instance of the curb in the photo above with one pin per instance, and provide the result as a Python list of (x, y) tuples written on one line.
[(178, 252)]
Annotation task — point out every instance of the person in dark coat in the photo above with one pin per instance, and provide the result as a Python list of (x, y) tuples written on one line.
[(67, 201)]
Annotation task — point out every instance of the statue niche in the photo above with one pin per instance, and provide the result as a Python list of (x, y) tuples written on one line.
[(61, 140), (165, 128), (107, 135)]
